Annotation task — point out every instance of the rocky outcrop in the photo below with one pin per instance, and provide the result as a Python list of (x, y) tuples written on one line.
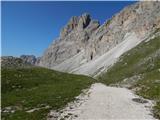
[(29, 59), (37, 61), (83, 42), (73, 39)]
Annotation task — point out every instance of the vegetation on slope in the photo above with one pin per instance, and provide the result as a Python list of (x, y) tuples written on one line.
[(142, 63), (25, 89)]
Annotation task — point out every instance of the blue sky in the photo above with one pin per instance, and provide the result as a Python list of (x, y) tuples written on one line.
[(29, 27)]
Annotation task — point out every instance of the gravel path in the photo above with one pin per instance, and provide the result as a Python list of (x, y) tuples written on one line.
[(103, 102)]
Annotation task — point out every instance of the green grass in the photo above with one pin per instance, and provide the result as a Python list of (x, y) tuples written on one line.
[(144, 61), (27, 88), (131, 63), (150, 88), (35, 87)]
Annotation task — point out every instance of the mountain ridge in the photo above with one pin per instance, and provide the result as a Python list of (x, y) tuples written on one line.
[(84, 40)]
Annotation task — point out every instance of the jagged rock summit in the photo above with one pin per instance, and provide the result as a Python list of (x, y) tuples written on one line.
[(86, 47), (73, 40)]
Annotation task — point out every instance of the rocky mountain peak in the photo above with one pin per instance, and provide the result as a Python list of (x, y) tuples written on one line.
[(31, 59), (80, 23), (28, 59), (72, 24), (84, 21), (84, 41)]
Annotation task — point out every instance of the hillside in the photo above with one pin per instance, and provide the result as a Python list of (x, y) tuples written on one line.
[(138, 69), (84, 46), (122, 56), (29, 93)]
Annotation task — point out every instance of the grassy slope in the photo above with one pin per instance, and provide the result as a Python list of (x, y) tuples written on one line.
[(144, 61), (27, 88)]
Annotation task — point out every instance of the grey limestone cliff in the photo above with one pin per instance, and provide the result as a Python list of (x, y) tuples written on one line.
[(83, 40)]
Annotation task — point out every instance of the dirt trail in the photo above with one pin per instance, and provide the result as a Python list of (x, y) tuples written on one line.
[(103, 102)]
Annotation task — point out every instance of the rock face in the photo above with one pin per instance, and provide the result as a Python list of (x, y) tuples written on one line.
[(84, 43), (31, 59), (73, 40), (28, 59)]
